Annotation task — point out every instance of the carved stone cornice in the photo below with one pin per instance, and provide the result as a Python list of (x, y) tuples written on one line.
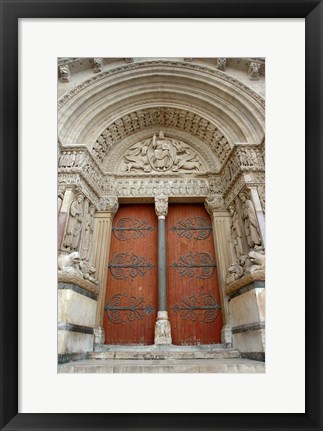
[(161, 207), (185, 65), (75, 179)]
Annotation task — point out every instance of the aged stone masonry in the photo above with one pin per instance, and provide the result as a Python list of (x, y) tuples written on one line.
[(161, 205)]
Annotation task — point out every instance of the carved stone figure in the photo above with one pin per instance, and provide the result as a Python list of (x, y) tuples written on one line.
[(69, 264), (222, 64), (257, 258), (162, 155), (235, 271), (88, 271), (212, 203), (186, 158), (88, 234), (65, 73), (236, 230), (250, 221), (136, 158), (97, 63), (253, 72), (74, 224)]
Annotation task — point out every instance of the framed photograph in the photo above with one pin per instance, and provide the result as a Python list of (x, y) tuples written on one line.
[(133, 213)]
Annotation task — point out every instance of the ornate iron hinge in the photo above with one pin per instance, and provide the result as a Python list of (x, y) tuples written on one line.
[(134, 310), (195, 227), (133, 228), (205, 309), (122, 265), (186, 265)]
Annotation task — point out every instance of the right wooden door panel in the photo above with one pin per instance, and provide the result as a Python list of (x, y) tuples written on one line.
[(192, 282)]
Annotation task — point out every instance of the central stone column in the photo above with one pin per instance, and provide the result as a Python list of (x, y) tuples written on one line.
[(162, 327)]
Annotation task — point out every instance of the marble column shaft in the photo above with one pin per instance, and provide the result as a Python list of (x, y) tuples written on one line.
[(162, 287)]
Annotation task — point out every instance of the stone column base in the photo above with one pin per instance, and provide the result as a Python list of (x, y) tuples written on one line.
[(99, 335), (162, 329), (226, 334)]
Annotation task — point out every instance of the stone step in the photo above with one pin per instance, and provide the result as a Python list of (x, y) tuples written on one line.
[(158, 354), (237, 365)]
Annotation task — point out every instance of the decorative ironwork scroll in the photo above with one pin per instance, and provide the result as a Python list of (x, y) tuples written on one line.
[(122, 265), (133, 309), (195, 227), (133, 228), (203, 309), (202, 263)]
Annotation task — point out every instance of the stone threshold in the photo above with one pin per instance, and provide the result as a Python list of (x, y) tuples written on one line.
[(238, 365), (159, 347)]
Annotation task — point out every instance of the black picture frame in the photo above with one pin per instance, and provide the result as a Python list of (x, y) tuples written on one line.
[(11, 11)]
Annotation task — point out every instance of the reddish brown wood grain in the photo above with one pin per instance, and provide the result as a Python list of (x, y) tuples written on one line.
[(133, 329), (189, 328)]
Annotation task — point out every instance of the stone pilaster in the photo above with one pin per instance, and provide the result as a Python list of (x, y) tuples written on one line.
[(221, 224), (103, 230), (162, 327)]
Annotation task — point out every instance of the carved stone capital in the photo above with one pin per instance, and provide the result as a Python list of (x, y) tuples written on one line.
[(161, 207), (213, 203), (110, 204)]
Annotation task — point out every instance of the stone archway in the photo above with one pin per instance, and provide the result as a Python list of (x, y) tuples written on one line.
[(214, 129)]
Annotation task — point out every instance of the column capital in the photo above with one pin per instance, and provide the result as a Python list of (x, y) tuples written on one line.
[(214, 203), (161, 207), (109, 204)]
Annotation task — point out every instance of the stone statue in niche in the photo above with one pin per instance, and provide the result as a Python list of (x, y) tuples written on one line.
[(236, 230), (88, 234), (74, 224), (250, 221), (65, 73), (253, 72), (161, 154)]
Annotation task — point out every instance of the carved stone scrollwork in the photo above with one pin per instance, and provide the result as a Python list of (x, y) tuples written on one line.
[(161, 207), (74, 224), (97, 65), (254, 70), (222, 64), (249, 217), (65, 73)]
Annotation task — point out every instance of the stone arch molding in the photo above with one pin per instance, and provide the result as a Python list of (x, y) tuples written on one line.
[(209, 104)]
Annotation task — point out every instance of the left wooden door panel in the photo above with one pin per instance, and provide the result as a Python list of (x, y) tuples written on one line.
[(131, 293)]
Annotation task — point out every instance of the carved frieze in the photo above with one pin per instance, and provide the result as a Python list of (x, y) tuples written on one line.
[(151, 187)]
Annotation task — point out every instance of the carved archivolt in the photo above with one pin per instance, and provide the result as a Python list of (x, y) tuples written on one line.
[(161, 117)]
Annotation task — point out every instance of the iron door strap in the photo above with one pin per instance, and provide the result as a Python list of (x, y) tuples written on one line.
[(131, 228), (123, 265), (194, 227), (203, 308), (133, 309), (201, 264)]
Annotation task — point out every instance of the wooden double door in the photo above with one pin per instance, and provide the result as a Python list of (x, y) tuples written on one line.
[(192, 284)]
